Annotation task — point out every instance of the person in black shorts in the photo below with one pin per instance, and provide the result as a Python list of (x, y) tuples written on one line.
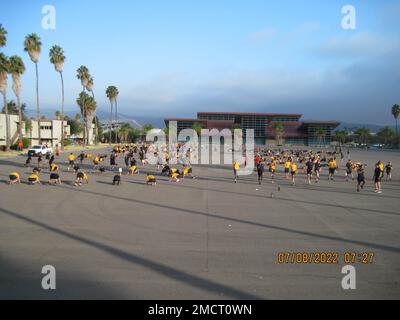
[(260, 172), (113, 161), (79, 178), (81, 157), (40, 160), (378, 178), (388, 170), (309, 168), (28, 161), (117, 179), (360, 177), (51, 160), (349, 170), (317, 169), (54, 178)]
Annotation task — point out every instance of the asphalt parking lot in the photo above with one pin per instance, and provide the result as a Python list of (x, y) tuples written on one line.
[(206, 238)]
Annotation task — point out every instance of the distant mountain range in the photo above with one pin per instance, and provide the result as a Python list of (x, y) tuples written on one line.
[(136, 122), (139, 121), (348, 126)]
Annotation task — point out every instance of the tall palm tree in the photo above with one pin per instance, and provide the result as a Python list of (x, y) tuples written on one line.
[(33, 46), (17, 68), (3, 36), (279, 130), (363, 135), (112, 94), (88, 108), (4, 70), (89, 87), (197, 126), (396, 114), (57, 58), (83, 74), (320, 134), (341, 136)]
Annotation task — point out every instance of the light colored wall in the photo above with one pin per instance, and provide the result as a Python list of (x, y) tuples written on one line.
[(14, 120), (50, 136)]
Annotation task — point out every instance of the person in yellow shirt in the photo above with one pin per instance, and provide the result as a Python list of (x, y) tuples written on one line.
[(15, 178), (71, 161), (174, 177), (54, 168), (187, 172), (133, 170), (293, 171), (332, 166), (286, 166), (236, 167), (272, 169), (151, 180), (34, 179)]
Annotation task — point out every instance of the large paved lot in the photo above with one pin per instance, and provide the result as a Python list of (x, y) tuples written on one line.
[(206, 238)]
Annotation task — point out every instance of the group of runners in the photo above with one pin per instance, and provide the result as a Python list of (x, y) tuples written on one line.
[(312, 163), (134, 159)]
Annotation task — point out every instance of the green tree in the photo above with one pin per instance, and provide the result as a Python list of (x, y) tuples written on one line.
[(134, 134), (197, 126), (75, 126), (146, 128), (340, 136), (386, 135), (83, 74), (17, 68), (396, 113), (57, 58), (3, 36), (320, 134), (279, 130), (88, 107), (363, 135), (236, 126), (112, 95), (90, 87), (4, 70), (33, 46)]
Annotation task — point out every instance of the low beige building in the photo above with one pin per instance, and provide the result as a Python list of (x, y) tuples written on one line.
[(50, 132), (13, 129)]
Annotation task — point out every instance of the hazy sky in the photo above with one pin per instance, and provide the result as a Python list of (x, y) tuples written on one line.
[(177, 57)]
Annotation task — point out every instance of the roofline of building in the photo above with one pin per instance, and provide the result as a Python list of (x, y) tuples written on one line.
[(186, 119), (252, 114)]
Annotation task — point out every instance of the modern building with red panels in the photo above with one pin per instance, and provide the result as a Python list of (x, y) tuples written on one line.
[(295, 131)]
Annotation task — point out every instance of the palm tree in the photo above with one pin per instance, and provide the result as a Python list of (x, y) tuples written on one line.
[(320, 134), (57, 58), (363, 135), (3, 36), (89, 87), (279, 129), (386, 135), (112, 94), (17, 68), (83, 74), (340, 136), (4, 70), (396, 113), (88, 107), (33, 46), (197, 126)]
